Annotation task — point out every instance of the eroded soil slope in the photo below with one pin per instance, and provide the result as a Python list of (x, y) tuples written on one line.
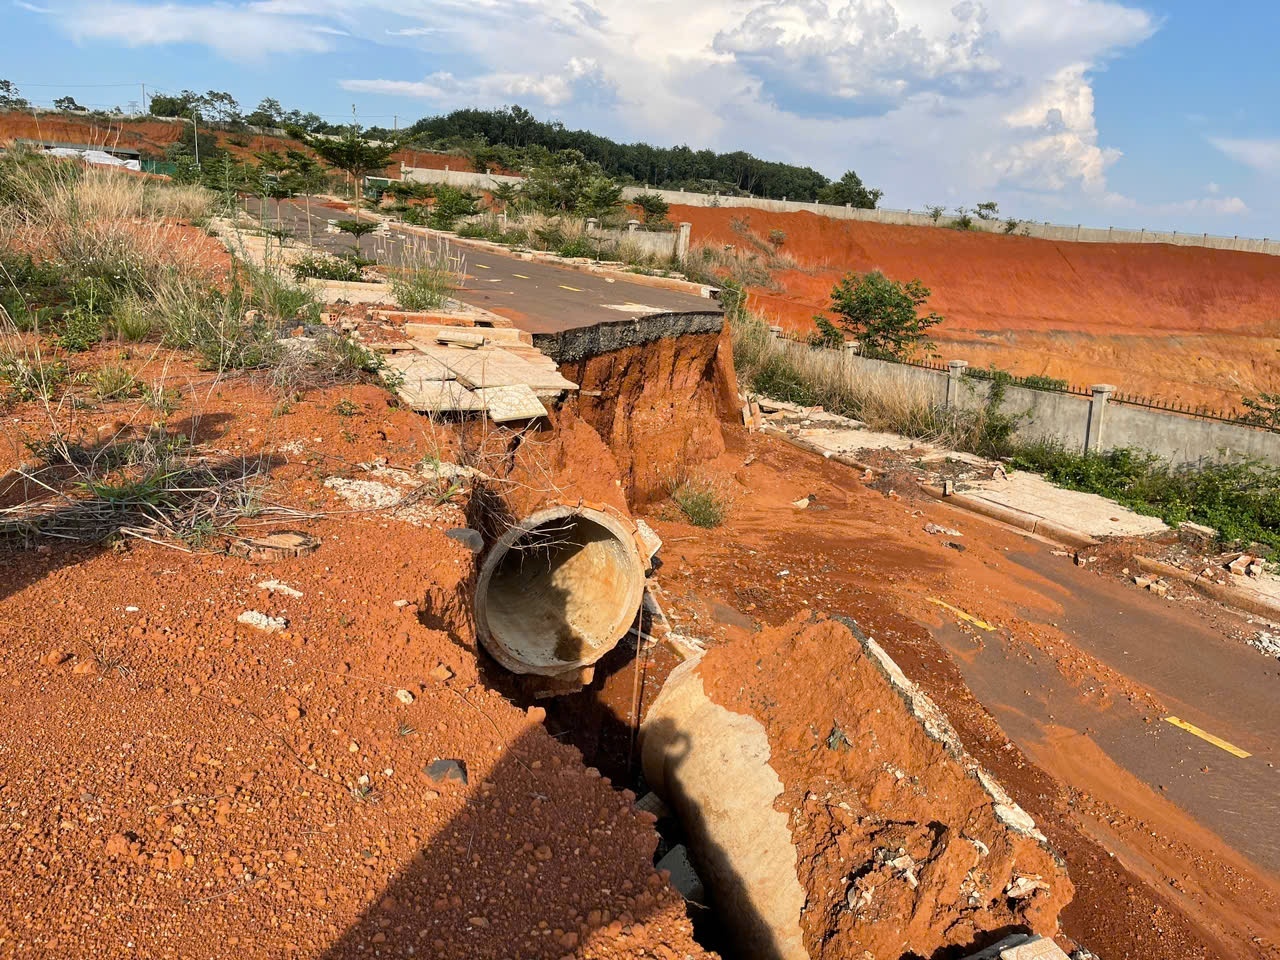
[(1184, 323)]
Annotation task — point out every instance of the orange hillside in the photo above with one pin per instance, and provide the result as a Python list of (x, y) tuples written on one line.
[(1185, 323)]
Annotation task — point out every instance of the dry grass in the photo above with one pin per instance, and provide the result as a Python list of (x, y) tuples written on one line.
[(884, 397)]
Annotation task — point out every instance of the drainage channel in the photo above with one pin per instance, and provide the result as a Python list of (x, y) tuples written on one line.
[(558, 605)]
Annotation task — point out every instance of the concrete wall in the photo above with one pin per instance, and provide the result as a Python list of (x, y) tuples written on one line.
[(657, 243), (465, 179), (1096, 423)]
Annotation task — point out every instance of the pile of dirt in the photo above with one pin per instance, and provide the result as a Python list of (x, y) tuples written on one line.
[(903, 845), (1187, 323)]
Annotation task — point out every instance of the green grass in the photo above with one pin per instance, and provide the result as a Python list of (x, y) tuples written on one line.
[(114, 382), (702, 504), (1239, 500)]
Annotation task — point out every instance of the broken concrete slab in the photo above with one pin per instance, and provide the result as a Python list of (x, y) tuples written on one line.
[(507, 403), (1021, 946), (683, 876)]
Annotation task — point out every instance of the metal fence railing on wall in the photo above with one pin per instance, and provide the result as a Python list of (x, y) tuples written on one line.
[(1201, 411)]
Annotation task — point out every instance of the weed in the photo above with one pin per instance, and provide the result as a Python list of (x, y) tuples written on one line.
[(131, 320), (424, 279), (345, 408), (321, 267), (403, 729), (364, 793), (702, 503), (160, 398), (114, 382), (32, 378)]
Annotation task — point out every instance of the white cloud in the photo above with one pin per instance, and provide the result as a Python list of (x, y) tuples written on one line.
[(244, 32), (932, 100), (1262, 155), (492, 88)]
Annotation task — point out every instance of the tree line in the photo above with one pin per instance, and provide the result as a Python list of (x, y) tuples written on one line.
[(507, 136), (513, 138)]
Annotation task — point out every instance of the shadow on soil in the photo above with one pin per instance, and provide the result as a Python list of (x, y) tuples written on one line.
[(526, 869)]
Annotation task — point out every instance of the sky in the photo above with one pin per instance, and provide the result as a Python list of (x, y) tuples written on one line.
[(1103, 112)]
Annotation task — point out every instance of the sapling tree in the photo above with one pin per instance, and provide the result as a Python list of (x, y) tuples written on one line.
[(884, 314), (357, 229), (351, 153)]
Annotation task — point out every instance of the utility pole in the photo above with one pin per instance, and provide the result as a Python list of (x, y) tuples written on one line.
[(395, 123), (144, 98), (196, 131)]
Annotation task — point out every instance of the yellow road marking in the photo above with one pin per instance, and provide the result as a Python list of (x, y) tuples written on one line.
[(483, 267), (968, 618), (520, 275), (574, 289), (1218, 742)]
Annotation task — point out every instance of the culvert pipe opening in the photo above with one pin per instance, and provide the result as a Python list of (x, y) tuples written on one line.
[(559, 590)]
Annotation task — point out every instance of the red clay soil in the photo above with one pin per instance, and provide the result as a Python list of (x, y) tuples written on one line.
[(659, 406), (175, 784), (862, 553), (864, 787), (1184, 322)]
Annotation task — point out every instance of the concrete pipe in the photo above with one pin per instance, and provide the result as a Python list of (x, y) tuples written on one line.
[(559, 590)]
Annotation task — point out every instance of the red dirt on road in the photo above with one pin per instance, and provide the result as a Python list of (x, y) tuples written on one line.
[(1186, 323)]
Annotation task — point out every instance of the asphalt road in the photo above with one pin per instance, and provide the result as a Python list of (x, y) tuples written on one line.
[(1175, 650), (537, 297)]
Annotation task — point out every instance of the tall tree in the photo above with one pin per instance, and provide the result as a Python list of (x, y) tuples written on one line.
[(351, 153), (66, 103), (850, 190), (11, 97)]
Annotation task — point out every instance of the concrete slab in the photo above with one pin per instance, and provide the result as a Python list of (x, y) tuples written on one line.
[(516, 402), (1084, 512), (439, 397)]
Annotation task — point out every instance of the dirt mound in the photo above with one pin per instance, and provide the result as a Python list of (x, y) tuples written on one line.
[(1186, 322), (902, 848)]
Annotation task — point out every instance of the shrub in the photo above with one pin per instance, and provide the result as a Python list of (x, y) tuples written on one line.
[(653, 209), (777, 238), (701, 502), (81, 324), (1240, 500), (322, 267), (450, 206), (577, 247), (884, 314), (423, 279)]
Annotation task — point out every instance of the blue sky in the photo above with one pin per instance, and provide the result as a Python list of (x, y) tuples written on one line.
[(1156, 114)]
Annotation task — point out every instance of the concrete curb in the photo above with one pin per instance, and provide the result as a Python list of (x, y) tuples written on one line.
[(1016, 518), (1223, 593)]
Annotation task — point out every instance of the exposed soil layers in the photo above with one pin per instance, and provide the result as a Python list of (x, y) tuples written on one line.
[(658, 405), (1184, 322), (903, 845)]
